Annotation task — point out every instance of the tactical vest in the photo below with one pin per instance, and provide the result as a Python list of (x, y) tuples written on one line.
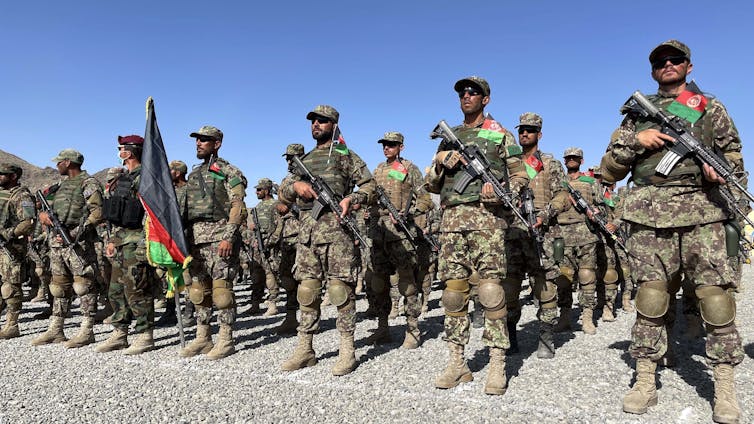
[(468, 136), (265, 211), (69, 203), (686, 172), (541, 184), (399, 192), (122, 207), (7, 218), (334, 169), (572, 216), (206, 196)]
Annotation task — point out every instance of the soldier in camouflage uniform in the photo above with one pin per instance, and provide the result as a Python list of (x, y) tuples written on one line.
[(550, 199), (580, 241), (625, 279), (178, 171), (261, 269), (392, 251), (16, 224), (132, 280), (40, 265), (288, 234), (104, 230), (676, 227), (326, 250), (215, 214), (473, 236), (77, 202), (429, 222)]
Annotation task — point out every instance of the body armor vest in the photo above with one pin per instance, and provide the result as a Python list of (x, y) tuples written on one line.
[(334, 169), (399, 192), (265, 211), (69, 203), (572, 216), (122, 207), (206, 196), (540, 185)]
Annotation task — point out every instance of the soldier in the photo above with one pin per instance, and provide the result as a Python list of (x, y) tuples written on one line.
[(132, 279), (610, 258), (215, 213), (104, 229), (261, 270), (77, 203), (473, 236), (325, 251), (392, 251), (16, 224), (624, 268), (580, 254), (522, 255), (288, 230), (675, 227), (40, 273)]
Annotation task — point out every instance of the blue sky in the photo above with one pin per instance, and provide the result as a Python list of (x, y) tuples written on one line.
[(77, 74)]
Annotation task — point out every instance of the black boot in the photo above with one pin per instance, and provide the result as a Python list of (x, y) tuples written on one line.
[(546, 348), (188, 314), (513, 338), (168, 318)]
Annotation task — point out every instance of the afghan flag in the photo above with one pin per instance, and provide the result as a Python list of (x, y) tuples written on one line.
[(215, 171), (166, 244), (492, 130), (339, 143), (397, 171), (533, 166), (690, 104), (608, 196)]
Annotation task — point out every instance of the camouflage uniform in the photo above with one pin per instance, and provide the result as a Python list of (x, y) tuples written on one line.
[(288, 234), (39, 267), (429, 222), (624, 270), (17, 214), (262, 272), (610, 257), (676, 227)]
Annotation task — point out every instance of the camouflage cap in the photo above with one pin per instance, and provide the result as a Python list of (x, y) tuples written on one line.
[(114, 172), (294, 149), (208, 131), (529, 119), (133, 140), (596, 170), (573, 151), (326, 111), (392, 136), (9, 168), (264, 183), (675, 44), (473, 81), (178, 165), (69, 154)]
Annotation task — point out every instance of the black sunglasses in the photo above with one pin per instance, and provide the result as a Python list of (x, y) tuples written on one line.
[(321, 120), (530, 130), (675, 60), (472, 92)]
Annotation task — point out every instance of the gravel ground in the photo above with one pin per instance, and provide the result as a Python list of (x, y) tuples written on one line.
[(583, 384)]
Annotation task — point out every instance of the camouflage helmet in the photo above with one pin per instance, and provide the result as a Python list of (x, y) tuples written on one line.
[(472, 81), (392, 137), (294, 149), (178, 165), (675, 44), (9, 168), (69, 154), (114, 173), (130, 140), (573, 151), (264, 183), (529, 119), (208, 131), (325, 111)]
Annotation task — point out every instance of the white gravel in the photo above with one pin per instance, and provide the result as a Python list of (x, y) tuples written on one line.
[(585, 382)]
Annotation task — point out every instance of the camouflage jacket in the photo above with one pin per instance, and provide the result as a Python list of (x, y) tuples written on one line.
[(77, 200), (17, 213), (550, 198), (575, 228), (404, 186), (684, 198)]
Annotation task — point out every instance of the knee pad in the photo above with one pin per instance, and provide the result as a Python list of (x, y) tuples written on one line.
[(474, 278), (222, 296), (338, 291), (60, 286), (545, 291), (455, 297), (611, 276), (587, 276), (7, 291), (379, 282), (651, 300), (196, 293), (308, 292), (407, 284), (567, 272), (288, 283), (81, 286), (717, 307), (491, 294)]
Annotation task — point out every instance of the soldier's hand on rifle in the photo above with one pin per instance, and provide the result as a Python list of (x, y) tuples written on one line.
[(44, 218), (110, 250), (448, 158), (711, 176), (304, 190), (539, 222), (488, 195), (611, 227), (345, 204), (652, 139), (224, 249), (281, 207)]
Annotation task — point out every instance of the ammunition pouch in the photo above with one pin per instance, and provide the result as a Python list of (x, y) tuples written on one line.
[(558, 250), (732, 238)]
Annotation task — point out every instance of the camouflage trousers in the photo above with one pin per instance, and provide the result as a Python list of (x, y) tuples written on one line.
[(212, 277), (462, 252), (262, 275), (69, 271), (11, 277), (660, 255), (574, 259), (287, 264), (133, 283), (397, 256)]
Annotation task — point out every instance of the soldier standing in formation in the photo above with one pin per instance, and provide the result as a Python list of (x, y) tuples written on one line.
[(262, 272), (17, 214), (472, 237), (215, 213), (325, 252), (178, 171), (675, 227)]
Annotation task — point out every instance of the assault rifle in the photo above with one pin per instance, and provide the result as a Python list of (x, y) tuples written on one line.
[(263, 250), (527, 208), (326, 199), (58, 226), (384, 201), (582, 207), (684, 143), (475, 165)]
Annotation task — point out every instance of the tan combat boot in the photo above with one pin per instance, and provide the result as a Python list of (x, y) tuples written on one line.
[(289, 324), (118, 340), (643, 394), (303, 356), (586, 322), (202, 343), (346, 356), (54, 333), (41, 294), (10, 329), (413, 335), (394, 312), (456, 371), (381, 334), (272, 308), (626, 301), (564, 320), (608, 315), (84, 337), (144, 343), (496, 383), (725, 409), (224, 346)]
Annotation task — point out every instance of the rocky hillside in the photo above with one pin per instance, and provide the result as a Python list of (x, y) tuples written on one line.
[(37, 178)]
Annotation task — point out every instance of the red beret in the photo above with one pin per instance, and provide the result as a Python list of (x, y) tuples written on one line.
[(136, 140)]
